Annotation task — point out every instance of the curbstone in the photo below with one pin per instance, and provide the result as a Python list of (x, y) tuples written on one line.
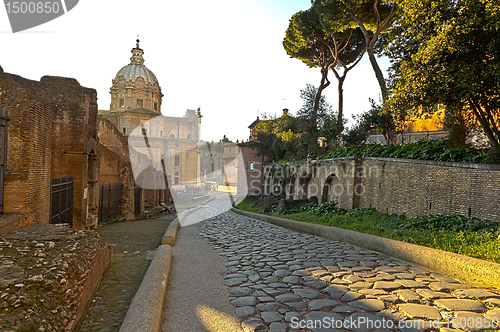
[(463, 267), (145, 311), (171, 233)]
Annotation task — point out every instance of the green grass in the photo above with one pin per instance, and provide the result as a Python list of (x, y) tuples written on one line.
[(466, 236), (248, 204)]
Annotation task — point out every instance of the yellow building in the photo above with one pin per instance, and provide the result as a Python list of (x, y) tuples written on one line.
[(172, 143), (426, 122)]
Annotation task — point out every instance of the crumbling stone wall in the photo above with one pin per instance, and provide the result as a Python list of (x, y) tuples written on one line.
[(411, 187)]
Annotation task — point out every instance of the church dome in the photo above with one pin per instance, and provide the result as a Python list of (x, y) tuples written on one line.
[(136, 68), (131, 72)]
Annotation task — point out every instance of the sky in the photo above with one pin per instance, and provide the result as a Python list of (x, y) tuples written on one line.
[(224, 56)]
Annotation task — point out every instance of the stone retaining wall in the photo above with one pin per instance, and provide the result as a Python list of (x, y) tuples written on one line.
[(412, 187)]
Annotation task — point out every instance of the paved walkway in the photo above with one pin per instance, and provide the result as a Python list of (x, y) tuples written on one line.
[(279, 280), (196, 298)]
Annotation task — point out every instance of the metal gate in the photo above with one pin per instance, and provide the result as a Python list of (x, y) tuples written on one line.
[(137, 201), (3, 149), (61, 200), (110, 202)]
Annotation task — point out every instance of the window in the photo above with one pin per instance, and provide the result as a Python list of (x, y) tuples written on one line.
[(176, 178), (124, 129), (155, 106), (251, 166), (144, 132), (139, 103), (122, 102), (188, 136), (176, 161)]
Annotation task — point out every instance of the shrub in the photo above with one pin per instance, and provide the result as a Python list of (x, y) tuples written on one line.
[(423, 150)]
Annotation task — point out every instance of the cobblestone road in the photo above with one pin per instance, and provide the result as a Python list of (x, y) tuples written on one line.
[(281, 280)]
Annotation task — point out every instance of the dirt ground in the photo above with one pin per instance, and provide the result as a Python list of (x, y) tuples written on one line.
[(131, 241)]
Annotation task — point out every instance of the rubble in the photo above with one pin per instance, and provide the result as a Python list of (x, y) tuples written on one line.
[(43, 270)]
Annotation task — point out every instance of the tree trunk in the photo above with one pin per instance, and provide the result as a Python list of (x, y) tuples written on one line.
[(370, 42), (323, 85), (484, 124), (340, 114), (376, 68)]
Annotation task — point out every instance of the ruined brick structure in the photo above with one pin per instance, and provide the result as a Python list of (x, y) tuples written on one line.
[(402, 186), (54, 169), (116, 159), (52, 134)]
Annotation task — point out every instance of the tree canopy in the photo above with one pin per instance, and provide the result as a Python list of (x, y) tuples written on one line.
[(448, 52), (324, 46), (372, 17), (307, 41)]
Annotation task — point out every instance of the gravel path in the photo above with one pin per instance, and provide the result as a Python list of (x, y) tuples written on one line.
[(133, 244), (280, 280)]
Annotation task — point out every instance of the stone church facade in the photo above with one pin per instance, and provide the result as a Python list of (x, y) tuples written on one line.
[(172, 143)]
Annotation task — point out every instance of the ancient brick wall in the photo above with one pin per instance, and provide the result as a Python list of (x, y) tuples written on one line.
[(27, 177), (112, 138), (308, 179), (115, 164), (116, 167), (73, 109), (73, 136), (410, 187), (109, 171), (427, 187)]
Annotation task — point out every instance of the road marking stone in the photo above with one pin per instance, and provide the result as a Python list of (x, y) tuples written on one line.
[(407, 295), (322, 304), (419, 311), (461, 305), (432, 295), (370, 305)]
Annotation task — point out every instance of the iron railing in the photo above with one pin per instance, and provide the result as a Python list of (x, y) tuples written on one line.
[(137, 201), (110, 201), (61, 200)]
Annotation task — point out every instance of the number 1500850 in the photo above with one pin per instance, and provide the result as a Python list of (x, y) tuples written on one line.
[(32, 7)]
